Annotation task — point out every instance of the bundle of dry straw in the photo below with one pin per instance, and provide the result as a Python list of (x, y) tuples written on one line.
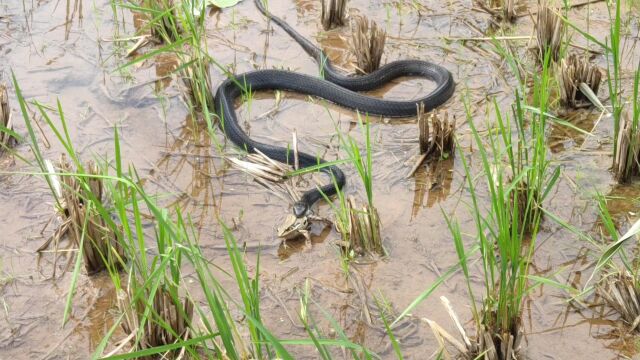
[(550, 30), (77, 195), (175, 315), (367, 44), (333, 13), (574, 74)]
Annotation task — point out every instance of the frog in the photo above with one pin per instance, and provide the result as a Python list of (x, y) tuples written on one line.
[(294, 227)]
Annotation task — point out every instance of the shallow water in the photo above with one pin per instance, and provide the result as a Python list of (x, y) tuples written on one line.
[(59, 53)]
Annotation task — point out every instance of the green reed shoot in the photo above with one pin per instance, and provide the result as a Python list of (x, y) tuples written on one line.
[(614, 59), (362, 162), (507, 227)]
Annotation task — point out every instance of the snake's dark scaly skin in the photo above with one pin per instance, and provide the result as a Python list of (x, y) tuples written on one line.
[(336, 88)]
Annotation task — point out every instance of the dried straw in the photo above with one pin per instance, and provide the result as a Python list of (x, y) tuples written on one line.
[(100, 244), (625, 161), (269, 173), (487, 345), (550, 30), (333, 14), (261, 166), (620, 291), (575, 71), (367, 44), (362, 233), (165, 309), (436, 141)]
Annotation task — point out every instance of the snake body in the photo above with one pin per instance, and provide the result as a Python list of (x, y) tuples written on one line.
[(334, 87)]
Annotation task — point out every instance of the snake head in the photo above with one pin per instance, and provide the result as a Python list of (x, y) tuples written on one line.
[(300, 209)]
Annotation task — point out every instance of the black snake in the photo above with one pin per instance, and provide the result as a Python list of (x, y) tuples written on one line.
[(334, 87)]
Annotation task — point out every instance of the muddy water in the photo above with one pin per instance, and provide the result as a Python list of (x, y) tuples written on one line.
[(67, 53)]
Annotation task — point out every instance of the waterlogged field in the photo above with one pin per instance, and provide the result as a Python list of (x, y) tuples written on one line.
[(520, 227)]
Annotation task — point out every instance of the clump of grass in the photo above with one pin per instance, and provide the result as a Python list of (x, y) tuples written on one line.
[(80, 198), (260, 166), (550, 29), (163, 19), (333, 13), (626, 138), (505, 264), (482, 347), (501, 9), (359, 226), (169, 317), (627, 156), (361, 235), (367, 44), (574, 74), (436, 141), (621, 291), (197, 81), (6, 127), (506, 229), (619, 283), (626, 134), (362, 229)]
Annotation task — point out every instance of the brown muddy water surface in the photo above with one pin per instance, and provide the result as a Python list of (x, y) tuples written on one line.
[(63, 50)]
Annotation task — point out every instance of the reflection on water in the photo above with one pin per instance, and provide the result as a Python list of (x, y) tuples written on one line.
[(434, 181), (194, 153), (563, 137), (166, 64), (624, 200)]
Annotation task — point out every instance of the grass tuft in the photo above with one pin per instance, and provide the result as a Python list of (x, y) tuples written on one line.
[(169, 320), (80, 196), (625, 161), (438, 140), (501, 9), (619, 283), (620, 290), (163, 21), (333, 13), (197, 81), (573, 75), (361, 233), (550, 30), (367, 44)]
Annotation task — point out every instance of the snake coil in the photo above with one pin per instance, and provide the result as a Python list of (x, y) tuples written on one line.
[(336, 88)]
